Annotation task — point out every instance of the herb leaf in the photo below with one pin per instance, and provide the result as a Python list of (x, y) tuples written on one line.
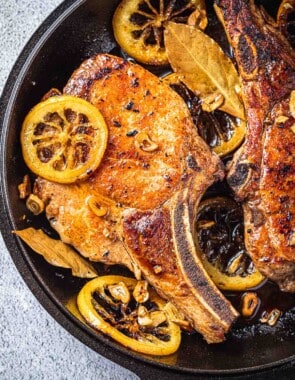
[(203, 66), (56, 252)]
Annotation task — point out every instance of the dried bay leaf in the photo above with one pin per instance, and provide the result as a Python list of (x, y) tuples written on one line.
[(56, 252), (204, 67)]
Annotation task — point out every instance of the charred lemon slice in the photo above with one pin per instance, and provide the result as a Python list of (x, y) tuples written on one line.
[(220, 242), (286, 19), (222, 132), (139, 25), (129, 312), (64, 139)]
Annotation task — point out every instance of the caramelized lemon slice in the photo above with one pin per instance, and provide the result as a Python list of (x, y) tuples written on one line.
[(139, 25), (130, 313), (64, 139), (220, 243), (229, 135), (222, 132)]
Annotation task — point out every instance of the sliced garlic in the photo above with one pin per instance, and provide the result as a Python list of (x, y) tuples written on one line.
[(24, 188), (144, 142), (273, 317), (175, 316), (250, 301), (143, 318), (153, 319), (212, 102), (96, 206), (198, 18), (142, 311), (270, 318), (234, 263), (120, 292), (157, 318), (140, 292), (35, 204)]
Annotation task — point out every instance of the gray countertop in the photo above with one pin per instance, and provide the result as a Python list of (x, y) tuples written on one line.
[(32, 344)]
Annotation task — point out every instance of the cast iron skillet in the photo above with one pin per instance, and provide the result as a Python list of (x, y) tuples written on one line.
[(75, 31)]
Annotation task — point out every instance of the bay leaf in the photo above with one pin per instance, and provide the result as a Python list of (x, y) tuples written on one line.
[(56, 252), (203, 66)]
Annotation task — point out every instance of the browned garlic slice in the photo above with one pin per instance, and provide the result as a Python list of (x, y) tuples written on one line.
[(145, 143), (212, 102), (271, 318), (120, 292), (150, 319), (274, 317), (24, 188), (198, 19), (157, 318), (140, 292), (96, 206), (250, 301), (175, 316), (143, 318), (35, 204)]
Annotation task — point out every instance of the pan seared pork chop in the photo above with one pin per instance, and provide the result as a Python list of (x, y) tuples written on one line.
[(155, 170), (262, 173)]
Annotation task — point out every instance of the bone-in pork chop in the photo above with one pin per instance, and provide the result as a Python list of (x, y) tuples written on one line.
[(154, 172), (262, 173)]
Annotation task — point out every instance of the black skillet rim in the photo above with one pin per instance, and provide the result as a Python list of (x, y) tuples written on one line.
[(111, 351)]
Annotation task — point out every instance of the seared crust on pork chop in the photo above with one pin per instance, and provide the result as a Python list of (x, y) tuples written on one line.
[(151, 190), (262, 172), (134, 102)]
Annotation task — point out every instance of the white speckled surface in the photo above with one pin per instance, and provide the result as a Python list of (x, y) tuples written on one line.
[(32, 344)]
